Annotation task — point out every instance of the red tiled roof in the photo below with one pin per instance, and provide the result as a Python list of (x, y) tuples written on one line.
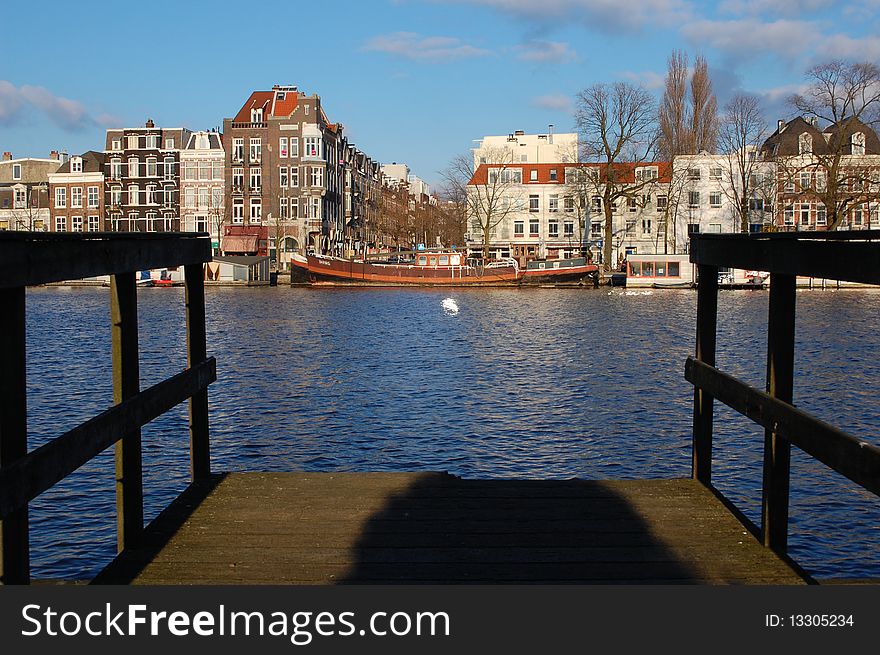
[(625, 171), (270, 104)]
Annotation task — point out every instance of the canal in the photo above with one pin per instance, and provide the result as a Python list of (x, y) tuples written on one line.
[(502, 383)]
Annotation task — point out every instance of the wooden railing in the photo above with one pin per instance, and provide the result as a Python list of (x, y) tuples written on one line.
[(844, 256), (29, 259)]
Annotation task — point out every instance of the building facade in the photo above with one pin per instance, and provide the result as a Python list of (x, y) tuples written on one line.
[(76, 193), (202, 185), (24, 191), (521, 148), (142, 178)]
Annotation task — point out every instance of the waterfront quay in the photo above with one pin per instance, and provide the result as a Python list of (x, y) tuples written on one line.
[(372, 525)]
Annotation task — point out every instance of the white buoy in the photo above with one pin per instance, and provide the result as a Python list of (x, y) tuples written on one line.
[(450, 307)]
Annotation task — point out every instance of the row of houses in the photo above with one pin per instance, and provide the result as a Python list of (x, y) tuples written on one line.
[(279, 178), (531, 195)]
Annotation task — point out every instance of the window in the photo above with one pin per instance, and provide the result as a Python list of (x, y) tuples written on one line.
[(204, 198), (647, 174), (595, 230), (788, 187), (693, 198), (805, 181), (115, 169), (282, 208), (632, 204), (693, 173), (534, 204), (858, 143), (94, 224), (316, 208), (256, 149), (646, 226), (553, 177), (312, 147), (256, 210), (152, 169), (672, 269), (216, 197), (693, 228), (820, 181), (237, 178), (661, 203), (237, 149), (294, 146), (788, 216), (169, 197), (805, 144), (282, 147), (597, 204), (189, 197), (518, 228), (715, 199), (169, 168), (256, 178), (20, 201), (76, 223), (858, 215), (133, 167), (217, 170), (60, 198), (190, 170), (169, 143), (151, 194), (201, 223), (282, 177), (257, 115), (238, 210), (294, 207), (821, 215), (132, 142), (715, 173), (553, 229), (116, 144), (76, 196), (205, 170), (318, 176), (76, 165), (534, 227), (568, 204), (61, 224), (553, 204), (805, 215), (115, 197), (568, 229), (756, 204)]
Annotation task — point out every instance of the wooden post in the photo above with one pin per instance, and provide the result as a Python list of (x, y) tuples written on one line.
[(707, 319), (14, 541), (780, 382), (126, 383), (196, 352)]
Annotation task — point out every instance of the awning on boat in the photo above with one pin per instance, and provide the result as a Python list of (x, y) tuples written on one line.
[(246, 243)]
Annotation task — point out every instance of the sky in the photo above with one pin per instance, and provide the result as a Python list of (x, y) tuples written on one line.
[(414, 81)]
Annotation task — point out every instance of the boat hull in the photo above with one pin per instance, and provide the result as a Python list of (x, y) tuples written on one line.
[(573, 274), (332, 270)]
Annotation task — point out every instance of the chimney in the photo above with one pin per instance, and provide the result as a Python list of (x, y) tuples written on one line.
[(519, 133), (7, 156), (54, 155), (550, 134), (780, 125), (150, 123)]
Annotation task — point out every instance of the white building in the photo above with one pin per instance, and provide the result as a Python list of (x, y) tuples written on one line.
[(521, 148), (202, 185)]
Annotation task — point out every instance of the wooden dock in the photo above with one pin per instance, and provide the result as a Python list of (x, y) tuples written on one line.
[(349, 528)]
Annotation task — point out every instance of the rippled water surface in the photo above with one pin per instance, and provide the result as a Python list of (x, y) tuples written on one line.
[(549, 383)]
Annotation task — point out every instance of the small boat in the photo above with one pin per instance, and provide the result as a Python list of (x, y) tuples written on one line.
[(672, 285), (575, 269)]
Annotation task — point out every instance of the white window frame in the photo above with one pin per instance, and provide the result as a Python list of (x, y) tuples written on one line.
[(60, 197)]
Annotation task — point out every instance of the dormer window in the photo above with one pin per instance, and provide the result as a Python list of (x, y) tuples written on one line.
[(257, 115), (76, 164), (805, 144), (16, 171), (858, 143)]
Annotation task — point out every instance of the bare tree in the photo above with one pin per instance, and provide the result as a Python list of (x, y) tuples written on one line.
[(741, 134), (704, 109), (494, 194), (674, 136), (617, 123), (846, 96)]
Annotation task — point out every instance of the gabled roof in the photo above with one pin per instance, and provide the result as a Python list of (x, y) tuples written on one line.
[(279, 102), (784, 142), (93, 162)]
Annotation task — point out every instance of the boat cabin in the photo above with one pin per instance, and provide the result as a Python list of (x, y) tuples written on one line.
[(439, 259)]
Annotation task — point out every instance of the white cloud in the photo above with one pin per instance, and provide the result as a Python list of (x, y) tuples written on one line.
[(546, 52), (649, 79), (557, 102), (70, 115), (847, 47), (750, 38), (600, 15), (411, 45)]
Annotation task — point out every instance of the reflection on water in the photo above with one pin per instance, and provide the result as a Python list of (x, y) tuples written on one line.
[(550, 383)]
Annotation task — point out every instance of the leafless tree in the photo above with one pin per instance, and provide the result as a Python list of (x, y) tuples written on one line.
[(741, 134), (494, 195), (689, 110), (704, 109), (846, 96), (617, 123)]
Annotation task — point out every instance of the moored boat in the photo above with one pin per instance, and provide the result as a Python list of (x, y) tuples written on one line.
[(552, 271)]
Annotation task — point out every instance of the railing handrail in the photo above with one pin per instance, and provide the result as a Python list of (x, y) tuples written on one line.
[(27, 258), (851, 256)]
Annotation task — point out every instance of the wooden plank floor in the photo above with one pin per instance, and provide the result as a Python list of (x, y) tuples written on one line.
[(331, 528)]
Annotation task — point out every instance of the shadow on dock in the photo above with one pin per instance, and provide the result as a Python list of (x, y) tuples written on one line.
[(423, 528)]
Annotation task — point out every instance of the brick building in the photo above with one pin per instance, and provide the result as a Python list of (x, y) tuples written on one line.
[(24, 191), (76, 192)]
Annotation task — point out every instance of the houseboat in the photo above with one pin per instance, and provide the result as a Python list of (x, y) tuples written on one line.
[(554, 271), (677, 272)]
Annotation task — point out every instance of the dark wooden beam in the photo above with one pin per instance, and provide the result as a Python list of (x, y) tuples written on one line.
[(14, 541), (126, 385), (25, 262), (851, 457), (196, 353), (780, 384), (834, 259), (29, 476), (707, 319)]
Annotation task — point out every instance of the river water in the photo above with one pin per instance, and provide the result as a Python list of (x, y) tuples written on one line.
[(526, 383)]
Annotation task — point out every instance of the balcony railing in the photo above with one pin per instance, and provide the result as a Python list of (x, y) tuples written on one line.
[(248, 125)]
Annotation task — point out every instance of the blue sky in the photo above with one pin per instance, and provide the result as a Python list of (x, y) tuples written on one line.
[(413, 81)]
